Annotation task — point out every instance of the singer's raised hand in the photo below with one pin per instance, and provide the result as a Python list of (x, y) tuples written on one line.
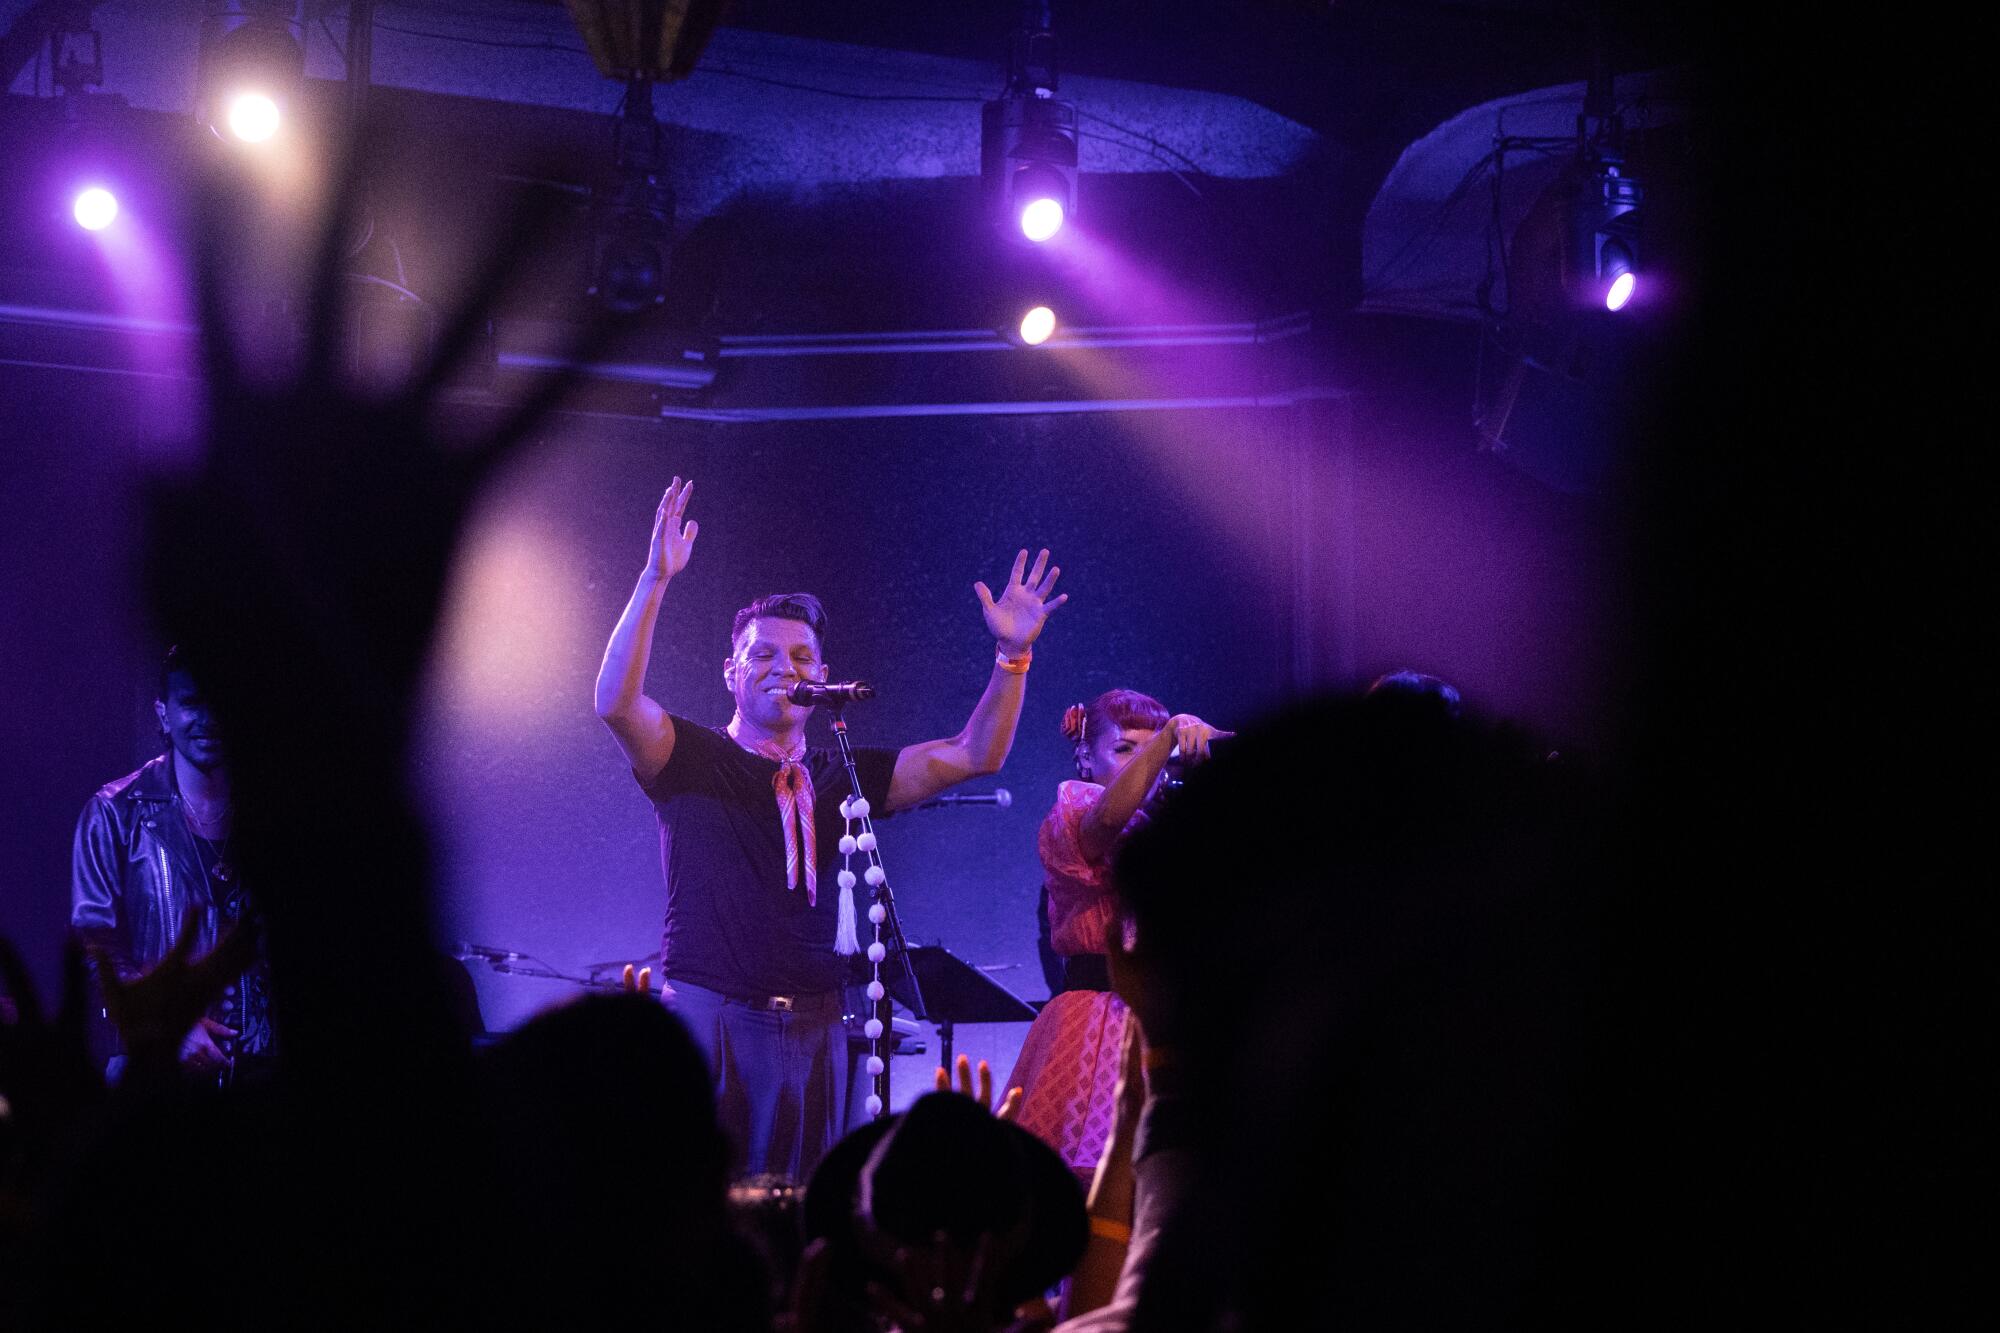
[(673, 540), (1017, 615)]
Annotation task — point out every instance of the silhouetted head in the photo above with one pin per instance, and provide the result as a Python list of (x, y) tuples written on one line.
[(947, 1166)]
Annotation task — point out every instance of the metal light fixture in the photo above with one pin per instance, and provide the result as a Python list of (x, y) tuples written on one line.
[(635, 219), (1604, 235), (1027, 141), (639, 43), (253, 68)]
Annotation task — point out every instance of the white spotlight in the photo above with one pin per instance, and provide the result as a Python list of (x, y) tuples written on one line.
[(95, 208), (253, 117), (1042, 219), (1038, 325)]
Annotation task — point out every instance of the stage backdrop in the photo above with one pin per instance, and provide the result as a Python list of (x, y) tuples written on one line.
[(1220, 561)]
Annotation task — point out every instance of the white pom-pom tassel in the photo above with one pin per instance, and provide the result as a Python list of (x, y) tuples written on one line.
[(846, 808), (847, 845), (876, 990), (846, 940), (877, 952), (877, 913), (873, 1029), (875, 1065), (860, 809), (874, 1105), (875, 875), (866, 842)]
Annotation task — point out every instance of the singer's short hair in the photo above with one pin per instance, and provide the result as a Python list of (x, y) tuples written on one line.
[(181, 660), (800, 606)]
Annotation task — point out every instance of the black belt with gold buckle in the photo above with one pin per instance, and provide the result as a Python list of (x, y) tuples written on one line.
[(788, 1004)]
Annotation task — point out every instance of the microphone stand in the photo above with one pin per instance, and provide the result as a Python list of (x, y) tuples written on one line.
[(891, 927)]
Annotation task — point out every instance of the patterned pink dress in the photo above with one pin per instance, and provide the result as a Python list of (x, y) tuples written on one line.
[(1068, 1067)]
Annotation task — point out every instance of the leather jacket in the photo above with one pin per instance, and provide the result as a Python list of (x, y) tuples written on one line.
[(136, 869)]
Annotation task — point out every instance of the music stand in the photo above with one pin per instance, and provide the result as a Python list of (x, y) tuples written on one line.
[(955, 992)]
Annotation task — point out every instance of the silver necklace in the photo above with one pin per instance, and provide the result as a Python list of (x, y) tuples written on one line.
[(221, 869)]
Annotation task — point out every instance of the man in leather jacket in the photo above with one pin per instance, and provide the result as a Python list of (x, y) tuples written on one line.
[(154, 845)]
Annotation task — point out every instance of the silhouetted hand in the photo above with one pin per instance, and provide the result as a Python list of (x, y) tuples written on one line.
[(307, 554), (160, 1014), (984, 1096), (46, 1074), (313, 542)]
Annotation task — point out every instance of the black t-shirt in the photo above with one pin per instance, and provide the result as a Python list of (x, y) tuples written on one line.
[(732, 925)]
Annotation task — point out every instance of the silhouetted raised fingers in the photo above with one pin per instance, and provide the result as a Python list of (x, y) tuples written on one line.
[(519, 235), (326, 310), (588, 346)]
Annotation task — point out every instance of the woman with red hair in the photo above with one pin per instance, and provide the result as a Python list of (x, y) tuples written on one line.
[(1068, 1067)]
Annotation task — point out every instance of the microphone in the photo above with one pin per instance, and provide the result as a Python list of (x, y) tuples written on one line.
[(809, 692), (999, 797)]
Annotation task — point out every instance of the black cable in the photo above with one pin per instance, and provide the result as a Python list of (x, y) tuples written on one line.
[(538, 19), (481, 41), (1428, 232), (1172, 170), (836, 92), (1186, 161)]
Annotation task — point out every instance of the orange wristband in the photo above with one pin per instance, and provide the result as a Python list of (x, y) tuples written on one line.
[(1017, 665)]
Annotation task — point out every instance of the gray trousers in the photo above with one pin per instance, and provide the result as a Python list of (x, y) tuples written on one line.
[(780, 1076)]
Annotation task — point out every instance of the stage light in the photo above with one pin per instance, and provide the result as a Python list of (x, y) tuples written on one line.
[(1038, 326), (1042, 218), (1617, 265), (1604, 237), (1027, 140), (95, 208), (1621, 291), (634, 220), (252, 68), (253, 117)]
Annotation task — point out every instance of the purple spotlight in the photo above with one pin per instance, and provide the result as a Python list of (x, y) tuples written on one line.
[(1042, 218), (95, 208), (1621, 290), (1038, 325)]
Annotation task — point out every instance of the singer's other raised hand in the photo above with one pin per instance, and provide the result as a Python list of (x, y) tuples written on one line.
[(1015, 618), (673, 540)]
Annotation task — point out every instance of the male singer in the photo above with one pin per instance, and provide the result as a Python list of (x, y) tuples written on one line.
[(749, 822)]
